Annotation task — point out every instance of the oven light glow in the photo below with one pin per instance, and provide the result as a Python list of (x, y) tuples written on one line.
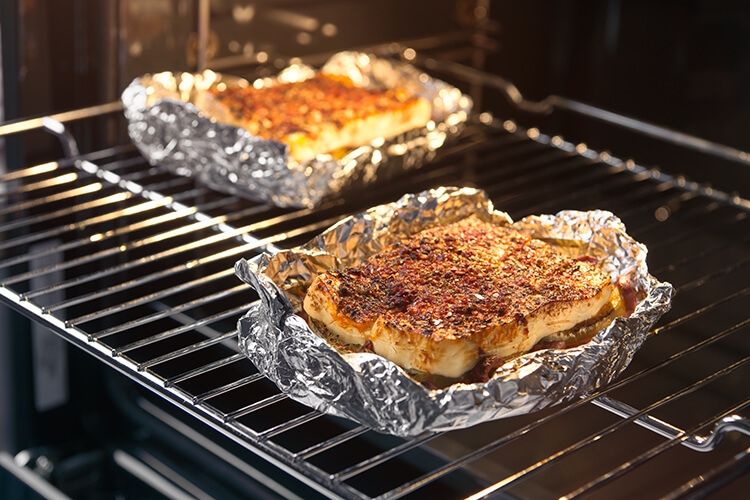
[(165, 80), (62, 179), (135, 49), (292, 19), (662, 213), (186, 82), (436, 140), (133, 187), (398, 149), (53, 125), (243, 14), (209, 77), (109, 176), (329, 30), (36, 170)]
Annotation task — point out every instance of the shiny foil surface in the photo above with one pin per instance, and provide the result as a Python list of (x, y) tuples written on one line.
[(174, 122), (373, 391)]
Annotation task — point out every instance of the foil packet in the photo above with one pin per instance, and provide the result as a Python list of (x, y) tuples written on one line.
[(174, 123), (377, 393)]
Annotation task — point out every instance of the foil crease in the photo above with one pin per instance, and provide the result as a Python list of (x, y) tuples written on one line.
[(375, 392), (174, 123)]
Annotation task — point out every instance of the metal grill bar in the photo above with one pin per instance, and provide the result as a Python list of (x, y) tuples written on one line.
[(203, 369), (230, 313), (200, 398), (186, 350), (697, 443), (25, 222), (79, 114), (629, 417), (330, 443), (381, 458), (129, 266), (288, 425), (255, 406), (162, 294), (73, 193)]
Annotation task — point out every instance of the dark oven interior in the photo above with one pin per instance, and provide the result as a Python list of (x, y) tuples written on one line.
[(120, 375)]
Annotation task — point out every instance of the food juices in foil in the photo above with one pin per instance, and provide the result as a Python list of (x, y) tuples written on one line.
[(377, 393), (174, 123)]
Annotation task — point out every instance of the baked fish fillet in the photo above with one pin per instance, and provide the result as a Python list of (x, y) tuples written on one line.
[(322, 114), (447, 297)]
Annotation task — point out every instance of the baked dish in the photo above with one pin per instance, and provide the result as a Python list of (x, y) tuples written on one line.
[(452, 294), (356, 120), (455, 300), (321, 114)]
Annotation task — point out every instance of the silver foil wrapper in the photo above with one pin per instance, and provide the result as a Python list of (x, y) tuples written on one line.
[(375, 392), (174, 123)]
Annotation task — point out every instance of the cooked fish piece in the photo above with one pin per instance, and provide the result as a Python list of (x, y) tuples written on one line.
[(322, 114), (446, 297)]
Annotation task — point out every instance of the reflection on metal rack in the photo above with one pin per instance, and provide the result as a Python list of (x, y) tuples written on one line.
[(148, 289)]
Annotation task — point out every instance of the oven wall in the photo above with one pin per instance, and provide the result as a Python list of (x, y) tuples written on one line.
[(682, 65)]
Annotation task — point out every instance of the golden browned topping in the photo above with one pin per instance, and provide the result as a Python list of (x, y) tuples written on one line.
[(278, 111), (454, 281)]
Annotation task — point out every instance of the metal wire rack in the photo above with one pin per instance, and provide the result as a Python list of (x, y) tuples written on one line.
[(135, 266)]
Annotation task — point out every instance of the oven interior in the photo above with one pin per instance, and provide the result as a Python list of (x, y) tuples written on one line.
[(122, 303)]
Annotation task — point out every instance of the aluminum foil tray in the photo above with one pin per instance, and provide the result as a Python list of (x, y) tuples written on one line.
[(173, 124), (375, 392)]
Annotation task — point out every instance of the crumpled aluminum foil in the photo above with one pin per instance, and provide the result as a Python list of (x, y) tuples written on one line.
[(375, 392), (173, 124)]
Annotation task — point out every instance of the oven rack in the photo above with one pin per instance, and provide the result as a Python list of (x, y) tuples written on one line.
[(134, 266)]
